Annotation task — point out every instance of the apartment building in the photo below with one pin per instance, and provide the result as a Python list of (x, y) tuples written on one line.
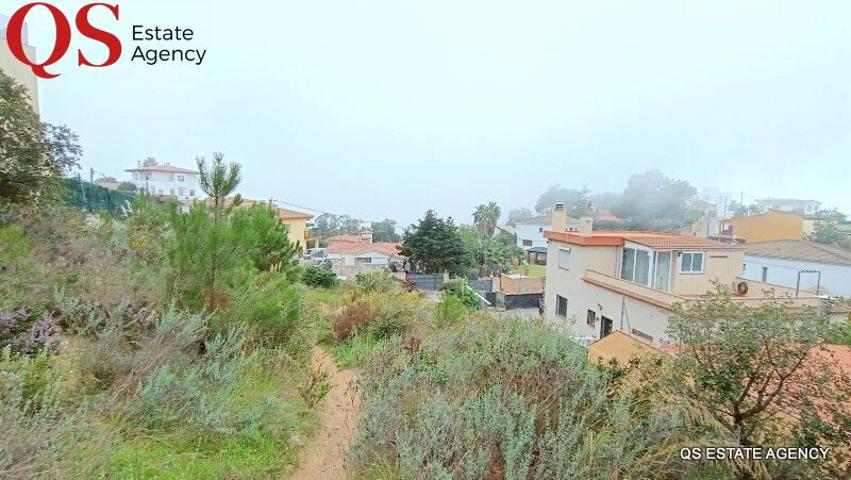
[(599, 282), (10, 65)]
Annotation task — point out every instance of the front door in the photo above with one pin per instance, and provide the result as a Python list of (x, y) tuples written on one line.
[(605, 327)]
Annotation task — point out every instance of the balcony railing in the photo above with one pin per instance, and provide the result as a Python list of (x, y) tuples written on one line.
[(756, 294)]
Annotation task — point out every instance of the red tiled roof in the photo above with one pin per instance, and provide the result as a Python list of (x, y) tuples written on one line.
[(800, 250), (655, 240), (357, 248), (683, 241)]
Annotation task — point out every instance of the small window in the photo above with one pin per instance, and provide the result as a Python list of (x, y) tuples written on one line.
[(191, 193), (541, 230), (171, 192), (691, 262), (592, 318), (180, 191), (363, 260), (527, 243), (564, 258), (744, 268), (180, 178), (764, 274), (561, 306)]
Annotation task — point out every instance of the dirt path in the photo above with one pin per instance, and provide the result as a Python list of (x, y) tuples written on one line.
[(324, 457)]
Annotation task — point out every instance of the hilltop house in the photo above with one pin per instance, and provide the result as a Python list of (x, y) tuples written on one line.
[(804, 207), (166, 181), (799, 264), (353, 254), (601, 281)]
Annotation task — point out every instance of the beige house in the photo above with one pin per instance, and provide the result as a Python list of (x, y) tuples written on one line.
[(10, 65), (602, 281)]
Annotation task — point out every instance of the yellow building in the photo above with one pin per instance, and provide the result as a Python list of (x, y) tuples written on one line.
[(18, 71), (295, 221), (766, 227)]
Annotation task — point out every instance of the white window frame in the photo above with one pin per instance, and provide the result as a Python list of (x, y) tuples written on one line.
[(569, 254), (363, 260), (180, 178), (691, 266)]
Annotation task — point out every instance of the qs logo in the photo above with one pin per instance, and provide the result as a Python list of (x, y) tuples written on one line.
[(14, 37)]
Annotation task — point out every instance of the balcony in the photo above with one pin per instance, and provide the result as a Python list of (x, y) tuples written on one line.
[(758, 293)]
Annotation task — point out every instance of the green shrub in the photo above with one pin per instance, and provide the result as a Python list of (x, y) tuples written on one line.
[(319, 277), (274, 310), (516, 400), (450, 310), (461, 289), (378, 281)]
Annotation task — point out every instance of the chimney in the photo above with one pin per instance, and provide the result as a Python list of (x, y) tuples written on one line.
[(559, 220), (586, 226)]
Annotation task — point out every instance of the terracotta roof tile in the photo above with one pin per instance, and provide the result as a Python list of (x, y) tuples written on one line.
[(800, 250), (357, 248)]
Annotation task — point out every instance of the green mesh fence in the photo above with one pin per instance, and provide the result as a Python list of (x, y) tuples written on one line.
[(95, 198)]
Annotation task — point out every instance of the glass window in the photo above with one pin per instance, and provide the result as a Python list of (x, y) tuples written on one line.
[(662, 273), (561, 306), (764, 274), (564, 258), (527, 243), (642, 267), (691, 262), (628, 264), (592, 318)]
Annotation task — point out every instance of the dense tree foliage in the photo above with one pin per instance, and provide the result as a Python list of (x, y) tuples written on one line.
[(385, 231), (328, 225), (826, 232), (487, 255), (434, 245), (517, 214), (751, 367), (653, 197), (34, 155)]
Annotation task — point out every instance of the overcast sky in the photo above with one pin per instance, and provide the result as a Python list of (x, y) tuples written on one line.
[(385, 108)]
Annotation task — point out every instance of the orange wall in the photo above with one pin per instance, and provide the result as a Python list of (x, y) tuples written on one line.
[(774, 225)]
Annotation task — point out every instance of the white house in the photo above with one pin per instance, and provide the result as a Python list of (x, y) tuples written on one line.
[(166, 181), (804, 207), (800, 265), (530, 231)]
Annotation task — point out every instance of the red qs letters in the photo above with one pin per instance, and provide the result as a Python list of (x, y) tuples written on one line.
[(14, 37)]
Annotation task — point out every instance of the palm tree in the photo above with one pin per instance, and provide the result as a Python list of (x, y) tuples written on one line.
[(486, 217), (217, 182)]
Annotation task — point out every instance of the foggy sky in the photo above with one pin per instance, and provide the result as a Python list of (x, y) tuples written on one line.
[(384, 108)]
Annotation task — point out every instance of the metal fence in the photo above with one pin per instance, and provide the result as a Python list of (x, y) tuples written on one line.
[(95, 198)]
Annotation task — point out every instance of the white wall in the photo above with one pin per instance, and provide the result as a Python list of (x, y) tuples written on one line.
[(351, 260), (835, 279), (166, 183), (534, 233)]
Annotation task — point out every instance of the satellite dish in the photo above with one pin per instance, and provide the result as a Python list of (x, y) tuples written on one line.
[(742, 288)]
